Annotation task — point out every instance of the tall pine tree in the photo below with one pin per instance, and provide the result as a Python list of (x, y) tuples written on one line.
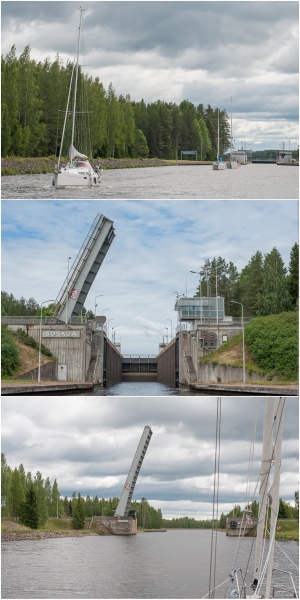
[(275, 296)]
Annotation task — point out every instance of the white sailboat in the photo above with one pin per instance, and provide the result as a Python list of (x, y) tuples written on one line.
[(233, 164), (219, 165), (78, 171)]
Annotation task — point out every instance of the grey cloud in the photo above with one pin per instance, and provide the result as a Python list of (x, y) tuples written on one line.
[(203, 51)]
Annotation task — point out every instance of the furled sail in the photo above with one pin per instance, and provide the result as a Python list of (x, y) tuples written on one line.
[(73, 153)]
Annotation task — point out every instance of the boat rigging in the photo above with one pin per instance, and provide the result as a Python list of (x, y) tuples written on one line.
[(78, 171)]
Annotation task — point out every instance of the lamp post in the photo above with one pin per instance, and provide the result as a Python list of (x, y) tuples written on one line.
[(95, 301), (167, 334), (171, 328), (244, 365), (67, 290), (113, 334), (200, 292), (217, 307), (104, 310), (40, 344), (108, 328)]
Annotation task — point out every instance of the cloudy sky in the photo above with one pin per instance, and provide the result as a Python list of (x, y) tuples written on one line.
[(88, 445), (205, 52), (157, 243)]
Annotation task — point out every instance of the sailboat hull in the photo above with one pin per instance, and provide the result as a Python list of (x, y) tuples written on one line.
[(218, 166), (75, 178), (233, 164)]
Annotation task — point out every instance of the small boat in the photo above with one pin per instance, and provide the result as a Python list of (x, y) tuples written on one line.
[(219, 165), (78, 171), (232, 164)]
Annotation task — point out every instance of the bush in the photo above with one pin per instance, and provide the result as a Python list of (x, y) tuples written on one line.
[(26, 339), (273, 342), (10, 359)]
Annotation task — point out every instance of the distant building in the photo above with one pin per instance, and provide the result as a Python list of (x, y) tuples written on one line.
[(201, 309), (241, 156)]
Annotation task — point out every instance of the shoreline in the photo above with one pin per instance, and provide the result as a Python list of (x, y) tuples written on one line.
[(42, 165), (10, 536)]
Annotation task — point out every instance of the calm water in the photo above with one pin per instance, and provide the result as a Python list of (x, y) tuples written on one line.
[(150, 565), (251, 181), (140, 389)]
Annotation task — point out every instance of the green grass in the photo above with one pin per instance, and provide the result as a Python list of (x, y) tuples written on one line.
[(289, 530)]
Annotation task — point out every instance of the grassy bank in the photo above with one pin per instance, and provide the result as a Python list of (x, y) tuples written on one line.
[(37, 166), (19, 353), (271, 348), (53, 528), (289, 530)]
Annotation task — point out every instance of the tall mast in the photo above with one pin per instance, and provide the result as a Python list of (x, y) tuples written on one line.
[(267, 455), (76, 79), (218, 135), (274, 491), (230, 127)]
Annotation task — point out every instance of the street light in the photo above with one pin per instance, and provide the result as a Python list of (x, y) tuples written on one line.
[(40, 344), (167, 334), (108, 327), (104, 310), (67, 289), (171, 328), (200, 292), (244, 365), (95, 301), (113, 334)]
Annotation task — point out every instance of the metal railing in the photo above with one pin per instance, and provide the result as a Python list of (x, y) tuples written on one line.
[(79, 261), (45, 320), (196, 323)]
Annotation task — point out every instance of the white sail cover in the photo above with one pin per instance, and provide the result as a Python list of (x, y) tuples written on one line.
[(73, 153)]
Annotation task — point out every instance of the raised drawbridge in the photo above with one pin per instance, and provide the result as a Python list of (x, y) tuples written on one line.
[(84, 269), (123, 508)]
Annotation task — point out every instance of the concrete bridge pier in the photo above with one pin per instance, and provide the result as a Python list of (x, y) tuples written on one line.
[(115, 525)]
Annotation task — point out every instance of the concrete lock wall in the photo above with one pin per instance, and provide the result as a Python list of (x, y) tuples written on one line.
[(73, 352), (166, 365), (48, 372), (116, 525), (184, 346), (215, 373), (113, 364), (191, 343)]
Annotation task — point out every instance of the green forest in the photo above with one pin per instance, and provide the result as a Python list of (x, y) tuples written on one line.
[(34, 99), (24, 496), (264, 286)]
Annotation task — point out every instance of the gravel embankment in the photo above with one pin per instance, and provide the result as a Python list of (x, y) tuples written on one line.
[(9, 536), (30, 166)]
